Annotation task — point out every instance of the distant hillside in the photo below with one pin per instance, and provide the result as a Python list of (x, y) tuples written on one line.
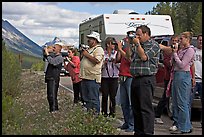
[(17, 42)]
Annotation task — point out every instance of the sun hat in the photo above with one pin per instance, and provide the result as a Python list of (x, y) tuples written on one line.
[(59, 43), (95, 35), (133, 31)]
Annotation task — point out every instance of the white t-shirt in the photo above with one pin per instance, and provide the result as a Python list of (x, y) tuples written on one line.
[(198, 65), (111, 69)]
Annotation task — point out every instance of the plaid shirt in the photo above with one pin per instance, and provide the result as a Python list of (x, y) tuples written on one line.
[(148, 67)]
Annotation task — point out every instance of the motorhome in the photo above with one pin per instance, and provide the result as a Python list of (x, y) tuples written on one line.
[(121, 21)]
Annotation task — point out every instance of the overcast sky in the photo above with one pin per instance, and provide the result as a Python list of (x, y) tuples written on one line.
[(42, 21)]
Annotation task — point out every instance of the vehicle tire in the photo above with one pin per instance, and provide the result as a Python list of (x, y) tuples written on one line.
[(169, 108)]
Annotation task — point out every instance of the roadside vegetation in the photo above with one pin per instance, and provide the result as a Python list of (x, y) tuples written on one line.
[(25, 107), (11, 71), (30, 62)]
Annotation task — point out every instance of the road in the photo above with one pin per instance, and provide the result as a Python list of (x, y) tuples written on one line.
[(160, 129)]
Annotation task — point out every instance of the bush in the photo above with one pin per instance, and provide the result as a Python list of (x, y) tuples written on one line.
[(11, 71), (39, 66), (28, 61)]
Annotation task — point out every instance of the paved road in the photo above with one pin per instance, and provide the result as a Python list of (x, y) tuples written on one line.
[(160, 129)]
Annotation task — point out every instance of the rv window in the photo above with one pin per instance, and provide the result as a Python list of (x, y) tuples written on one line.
[(82, 38), (165, 43), (100, 26)]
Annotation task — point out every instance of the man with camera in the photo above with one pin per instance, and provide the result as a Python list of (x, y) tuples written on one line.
[(90, 72), (143, 67), (52, 75), (45, 56)]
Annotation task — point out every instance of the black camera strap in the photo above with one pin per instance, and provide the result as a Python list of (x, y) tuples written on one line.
[(94, 49), (91, 51), (108, 70), (112, 64)]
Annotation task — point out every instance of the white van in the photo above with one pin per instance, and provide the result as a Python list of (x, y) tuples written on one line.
[(118, 23)]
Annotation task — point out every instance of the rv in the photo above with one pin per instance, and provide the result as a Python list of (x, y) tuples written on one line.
[(121, 21)]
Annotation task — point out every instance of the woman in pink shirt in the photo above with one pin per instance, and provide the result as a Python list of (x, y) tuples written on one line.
[(181, 85), (73, 67)]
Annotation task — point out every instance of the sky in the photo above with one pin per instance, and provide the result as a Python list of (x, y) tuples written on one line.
[(42, 21)]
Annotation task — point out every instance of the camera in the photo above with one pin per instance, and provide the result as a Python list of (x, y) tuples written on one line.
[(173, 46), (83, 47), (109, 59), (112, 57), (132, 35)]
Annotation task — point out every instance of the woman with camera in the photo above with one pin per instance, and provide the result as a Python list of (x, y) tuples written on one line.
[(109, 75), (123, 56), (181, 84), (73, 67)]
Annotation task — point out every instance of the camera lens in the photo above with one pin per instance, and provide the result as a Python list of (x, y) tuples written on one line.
[(173, 47)]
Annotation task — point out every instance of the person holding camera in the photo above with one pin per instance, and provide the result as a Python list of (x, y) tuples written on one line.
[(125, 81), (143, 67), (110, 70), (167, 71), (45, 56), (198, 70), (52, 75), (73, 67), (82, 47), (182, 85), (90, 72)]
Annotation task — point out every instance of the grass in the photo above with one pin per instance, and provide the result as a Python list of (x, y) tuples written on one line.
[(31, 114)]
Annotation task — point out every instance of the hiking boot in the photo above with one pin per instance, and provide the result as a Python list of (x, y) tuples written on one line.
[(124, 126), (158, 121), (129, 130)]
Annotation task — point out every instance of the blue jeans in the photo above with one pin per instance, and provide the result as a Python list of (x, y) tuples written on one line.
[(90, 94), (181, 89), (197, 88), (125, 100)]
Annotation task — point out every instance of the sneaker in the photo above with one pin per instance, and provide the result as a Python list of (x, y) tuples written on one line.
[(181, 132), (158, 121), (173, 128), (187, 132)]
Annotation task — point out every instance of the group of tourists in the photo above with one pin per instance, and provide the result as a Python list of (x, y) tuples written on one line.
[(131, 63)]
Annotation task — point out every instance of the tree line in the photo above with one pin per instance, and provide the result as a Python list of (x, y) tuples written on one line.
[(186, 16)]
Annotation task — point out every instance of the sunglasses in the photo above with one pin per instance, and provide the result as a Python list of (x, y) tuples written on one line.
[(114, 43), (174, 40)]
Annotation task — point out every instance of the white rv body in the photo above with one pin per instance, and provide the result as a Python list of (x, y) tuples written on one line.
[(117, 25)]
